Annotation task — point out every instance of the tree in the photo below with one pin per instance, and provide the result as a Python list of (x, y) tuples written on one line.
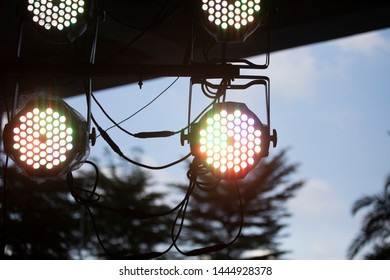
[(375, 227), (40, 222), (128, 230), (214, 216), (45, 222)]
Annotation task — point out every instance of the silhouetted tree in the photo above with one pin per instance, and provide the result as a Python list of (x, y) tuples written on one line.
[(375, 225), (40, 221), (128, 230), (214, 216), (45, 222)]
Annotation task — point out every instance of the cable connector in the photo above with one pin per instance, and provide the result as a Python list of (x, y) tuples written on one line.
[(154, 134), (109, 141)]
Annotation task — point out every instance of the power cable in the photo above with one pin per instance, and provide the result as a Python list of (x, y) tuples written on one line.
[(5, 218), (156, 21), (116, 149), (221, 246), (117, 124), (154, 134), (92, 202)]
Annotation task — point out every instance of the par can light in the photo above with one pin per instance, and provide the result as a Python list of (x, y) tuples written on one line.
[(231, 20), (59, 21), (229, 140), (46, 138)]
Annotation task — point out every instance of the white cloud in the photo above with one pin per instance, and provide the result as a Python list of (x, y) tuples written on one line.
[(297, 74), (364, 44), (294, 74), (322, 227), (317, 199)]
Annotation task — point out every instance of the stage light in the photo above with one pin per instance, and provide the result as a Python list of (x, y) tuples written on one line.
[(229, 140), (59, 21), (231, 20), (46, 138)]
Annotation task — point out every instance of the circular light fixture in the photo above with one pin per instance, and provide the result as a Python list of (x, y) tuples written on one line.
[(46, 138), (229, 140), (231, 20), (59, 20)]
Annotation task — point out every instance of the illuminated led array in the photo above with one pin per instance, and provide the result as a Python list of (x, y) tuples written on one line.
[(230, 141), (42, 138), (55, 14), (231, 13)]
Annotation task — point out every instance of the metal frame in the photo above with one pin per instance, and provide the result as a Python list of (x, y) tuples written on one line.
[(252, 80)]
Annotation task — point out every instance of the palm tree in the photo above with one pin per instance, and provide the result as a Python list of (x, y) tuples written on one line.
[(375, 226)]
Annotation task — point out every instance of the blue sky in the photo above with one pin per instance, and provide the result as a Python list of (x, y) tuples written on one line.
[(330, 104)]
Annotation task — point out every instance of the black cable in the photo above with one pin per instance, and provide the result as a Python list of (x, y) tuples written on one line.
[(124, 23), (89, 202), (125, 47), (92, 193), (149, 255), (138, 111), (157, 133), (5, 218), (206, 50), (157, 167), (154, 22), (109, 117), (122, 211), (182, 213), (215, 247), (201, 170), (220, 91), (3, 241), (221, 246), (116, 149), (207, 92)]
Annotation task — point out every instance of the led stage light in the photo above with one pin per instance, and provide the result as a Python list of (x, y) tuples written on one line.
[(59, 20), (231, 20), (46, 138), (229, 140)]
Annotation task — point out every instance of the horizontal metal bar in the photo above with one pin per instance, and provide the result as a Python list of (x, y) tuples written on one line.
[(146, 71)]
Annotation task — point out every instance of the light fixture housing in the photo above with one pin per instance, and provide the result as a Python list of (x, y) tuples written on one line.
[(231, 20), (59, 21), (46, 137), (229, 140)]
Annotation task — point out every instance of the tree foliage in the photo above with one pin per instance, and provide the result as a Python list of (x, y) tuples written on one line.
[(375, 228), (45, 222), (214, 215)]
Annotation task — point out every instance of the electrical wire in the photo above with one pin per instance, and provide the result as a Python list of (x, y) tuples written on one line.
[(117, 124), (133, 213), (219, 246), (91, 202), (153, 134), (156, 21), (182, 212), (3, 241), (109, 117), (117, 150), (124, 23), (5, 218), (132, 26), (91, 193)]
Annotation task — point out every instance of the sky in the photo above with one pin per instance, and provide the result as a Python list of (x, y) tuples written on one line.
[(330, 105)]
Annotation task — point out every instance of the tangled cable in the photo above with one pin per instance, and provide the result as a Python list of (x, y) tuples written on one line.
[(89, 198)]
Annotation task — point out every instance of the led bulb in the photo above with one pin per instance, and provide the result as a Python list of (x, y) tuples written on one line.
[(59, 21), (229, 140), (231, 20), (35, 141)]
